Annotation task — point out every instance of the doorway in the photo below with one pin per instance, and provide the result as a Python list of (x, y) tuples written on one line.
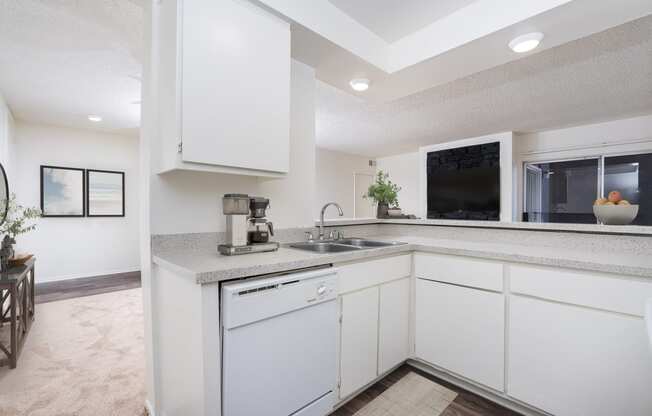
[(363, 208)]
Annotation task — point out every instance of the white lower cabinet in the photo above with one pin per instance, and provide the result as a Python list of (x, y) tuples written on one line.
[(359, 340), (393, 332), (374, 334), (461, 330), (570, 360), (577, 344)]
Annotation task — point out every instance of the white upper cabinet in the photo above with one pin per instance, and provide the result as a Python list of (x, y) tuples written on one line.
[(232, 89)]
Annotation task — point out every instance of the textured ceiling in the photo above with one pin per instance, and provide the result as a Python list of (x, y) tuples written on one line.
[(602, 77), (61, 60), (394, 19)]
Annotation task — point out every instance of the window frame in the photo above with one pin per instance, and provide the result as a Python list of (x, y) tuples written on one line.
[(601, 169), (599, 187)]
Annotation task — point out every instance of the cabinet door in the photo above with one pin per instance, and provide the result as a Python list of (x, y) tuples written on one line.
[(461, 330), (359, 338), (393, 333), (235, 85), (570, 360)]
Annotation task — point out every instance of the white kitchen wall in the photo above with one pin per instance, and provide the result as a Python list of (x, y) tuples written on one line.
[(613, 137), (292, 197), (6, 135), (335, 180), (76, 247), (625, 135), (403, 170), (190, 202)]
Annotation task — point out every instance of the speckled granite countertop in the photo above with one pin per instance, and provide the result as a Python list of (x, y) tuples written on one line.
[(207, 266), (532, 226)]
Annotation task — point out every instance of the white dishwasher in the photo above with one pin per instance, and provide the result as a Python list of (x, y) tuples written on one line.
[(279, 345)]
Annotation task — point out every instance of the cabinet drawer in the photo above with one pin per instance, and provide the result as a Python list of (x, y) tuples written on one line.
[(356, 276), (459, 270), (596, 290)]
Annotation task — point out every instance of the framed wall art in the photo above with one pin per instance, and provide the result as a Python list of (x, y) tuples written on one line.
[(105, 194), (62, 192)]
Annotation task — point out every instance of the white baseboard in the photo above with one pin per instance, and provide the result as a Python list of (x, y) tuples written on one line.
[(489, 394)]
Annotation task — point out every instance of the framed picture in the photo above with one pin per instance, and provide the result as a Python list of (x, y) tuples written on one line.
[(105, 195), (62, 192)]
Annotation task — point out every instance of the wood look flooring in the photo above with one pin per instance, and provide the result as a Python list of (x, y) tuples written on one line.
[(465, 404), (86, 286)]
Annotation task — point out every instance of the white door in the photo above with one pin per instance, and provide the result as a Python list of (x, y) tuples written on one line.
[(364, 208), (235, 97), (570, 360), (533, 190), (461, 330), (393, 334), (359, 340)]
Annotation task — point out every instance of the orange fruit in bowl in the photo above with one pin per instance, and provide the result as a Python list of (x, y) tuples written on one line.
[(614, 196), (600, 201)]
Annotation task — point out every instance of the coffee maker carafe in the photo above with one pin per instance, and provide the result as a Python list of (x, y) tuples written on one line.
[(259, 227), (247, 229)]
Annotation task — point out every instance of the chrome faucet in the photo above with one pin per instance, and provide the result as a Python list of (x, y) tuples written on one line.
[(323, 209)]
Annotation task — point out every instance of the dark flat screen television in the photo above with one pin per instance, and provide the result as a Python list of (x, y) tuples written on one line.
[(464, 183)]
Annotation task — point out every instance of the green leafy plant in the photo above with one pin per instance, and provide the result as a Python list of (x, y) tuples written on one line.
[(19, 219), (383, 191)]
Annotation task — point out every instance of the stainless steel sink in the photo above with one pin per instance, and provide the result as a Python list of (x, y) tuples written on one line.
[(338, 246), (324, 247), (361, 242)]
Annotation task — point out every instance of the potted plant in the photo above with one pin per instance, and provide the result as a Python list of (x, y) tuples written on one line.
[(18, 222), (384, 193)]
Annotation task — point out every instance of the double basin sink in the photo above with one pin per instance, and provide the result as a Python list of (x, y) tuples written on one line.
[(342, 245)]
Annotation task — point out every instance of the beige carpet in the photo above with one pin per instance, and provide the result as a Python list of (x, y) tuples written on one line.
[(412, 395), (83, 356)]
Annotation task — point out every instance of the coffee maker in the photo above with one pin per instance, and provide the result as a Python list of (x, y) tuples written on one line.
[(247, 229)]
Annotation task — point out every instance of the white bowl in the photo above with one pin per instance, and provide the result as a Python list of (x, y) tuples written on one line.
[(615, 214)]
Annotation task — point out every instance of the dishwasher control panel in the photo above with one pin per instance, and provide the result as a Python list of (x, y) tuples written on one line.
[(246, 302), (320, 290)]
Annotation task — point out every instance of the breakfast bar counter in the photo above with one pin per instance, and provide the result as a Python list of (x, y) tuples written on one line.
[(207, 266)]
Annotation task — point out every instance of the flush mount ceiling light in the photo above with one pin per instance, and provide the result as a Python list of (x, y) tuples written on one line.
[(526, 43), (94, 118), (359, 84)]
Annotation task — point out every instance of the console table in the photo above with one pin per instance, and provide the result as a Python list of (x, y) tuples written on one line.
[(16, 310)]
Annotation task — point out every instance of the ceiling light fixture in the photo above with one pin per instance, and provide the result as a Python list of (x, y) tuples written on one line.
[(359, 84), (94, 118), (526, 43)]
